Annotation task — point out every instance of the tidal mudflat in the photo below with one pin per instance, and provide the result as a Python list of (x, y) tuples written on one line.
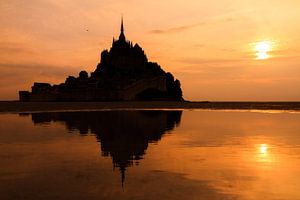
[(16, 106), (150, 154)]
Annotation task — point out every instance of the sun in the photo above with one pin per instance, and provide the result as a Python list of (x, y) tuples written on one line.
[(262, 49)]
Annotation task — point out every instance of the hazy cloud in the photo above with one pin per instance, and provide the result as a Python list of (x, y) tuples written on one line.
[(13, 48), (21, 73), (199, 45), (187, 27), (200, 61), (175, 29)]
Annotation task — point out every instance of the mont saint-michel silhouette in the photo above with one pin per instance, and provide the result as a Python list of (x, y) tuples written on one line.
[(123, 74)]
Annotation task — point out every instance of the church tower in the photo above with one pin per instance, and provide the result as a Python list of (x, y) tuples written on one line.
[(122, 35)]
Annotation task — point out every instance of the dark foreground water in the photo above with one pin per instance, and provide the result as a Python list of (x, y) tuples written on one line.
[(150, 155)]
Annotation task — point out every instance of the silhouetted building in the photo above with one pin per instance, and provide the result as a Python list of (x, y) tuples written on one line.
[(123, 135), (123, 74)]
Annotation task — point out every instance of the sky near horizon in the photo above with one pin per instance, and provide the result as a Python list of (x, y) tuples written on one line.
[(232, 50)]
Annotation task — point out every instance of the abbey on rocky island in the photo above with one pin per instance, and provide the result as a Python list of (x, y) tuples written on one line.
[(123, 74)]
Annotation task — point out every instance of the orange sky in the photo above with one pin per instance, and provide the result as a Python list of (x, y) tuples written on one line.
[(208, 45)]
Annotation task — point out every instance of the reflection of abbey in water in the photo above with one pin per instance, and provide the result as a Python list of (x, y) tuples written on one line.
[(123, 135), (124, 73)]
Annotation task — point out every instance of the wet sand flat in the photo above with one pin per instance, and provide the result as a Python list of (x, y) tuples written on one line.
[(150, 154), (16, 106)]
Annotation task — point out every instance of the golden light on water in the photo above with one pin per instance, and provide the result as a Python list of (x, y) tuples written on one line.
[(263, 154), (263, 149), (262, 50)]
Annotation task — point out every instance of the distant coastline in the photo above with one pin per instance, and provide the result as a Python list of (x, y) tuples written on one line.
[(21, 107)]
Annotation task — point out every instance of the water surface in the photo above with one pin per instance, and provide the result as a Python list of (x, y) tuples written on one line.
[(150, 155)]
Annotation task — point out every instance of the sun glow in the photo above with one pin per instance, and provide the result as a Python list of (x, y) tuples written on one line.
[(262, 49), (263, 155), (263, 149)]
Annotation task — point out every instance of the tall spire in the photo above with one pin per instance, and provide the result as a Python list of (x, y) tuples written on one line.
[(122, 25), (122, 35)]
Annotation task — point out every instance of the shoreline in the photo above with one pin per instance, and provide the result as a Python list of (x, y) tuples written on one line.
[(18, 107)]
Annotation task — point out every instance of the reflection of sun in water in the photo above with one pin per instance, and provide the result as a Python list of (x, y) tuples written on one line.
[(263, 149), (262, 49), (263, 154)]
